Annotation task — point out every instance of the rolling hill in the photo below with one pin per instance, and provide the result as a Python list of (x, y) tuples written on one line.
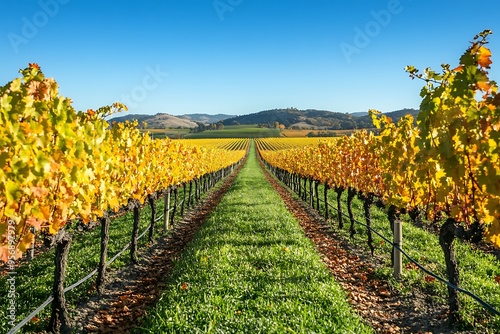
[(313, 119), (290, 118), (205, 118), (158, 121)]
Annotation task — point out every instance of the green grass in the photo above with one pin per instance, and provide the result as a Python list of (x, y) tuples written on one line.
[(477, 269), (237, 131), (163, 133), (250, 269), (34, 280)]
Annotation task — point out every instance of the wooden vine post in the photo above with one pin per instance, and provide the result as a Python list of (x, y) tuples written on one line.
[(166, 209), (397, 232)]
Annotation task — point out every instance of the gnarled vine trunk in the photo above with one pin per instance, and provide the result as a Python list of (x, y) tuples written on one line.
[(446, 236), (135, 232), (59, 319), (339, 191), (450, 231), (350, 196), (152, 204), (101, 271), (367, 204)]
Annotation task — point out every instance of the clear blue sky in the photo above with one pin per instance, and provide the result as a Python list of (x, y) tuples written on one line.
[(240, 56)]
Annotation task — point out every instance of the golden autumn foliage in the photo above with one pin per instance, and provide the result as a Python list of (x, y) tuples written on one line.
[(448, 161), (57, 164)]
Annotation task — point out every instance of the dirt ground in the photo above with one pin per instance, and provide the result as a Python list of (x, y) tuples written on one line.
[(132, 290)]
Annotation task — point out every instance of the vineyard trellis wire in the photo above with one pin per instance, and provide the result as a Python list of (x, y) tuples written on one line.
[(304, 193), (168, 215)]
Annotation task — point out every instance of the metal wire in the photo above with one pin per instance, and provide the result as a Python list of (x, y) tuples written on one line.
[(86, 278), (487, 306)]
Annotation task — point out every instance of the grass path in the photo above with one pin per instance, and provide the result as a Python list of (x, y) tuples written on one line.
[(250, 269)]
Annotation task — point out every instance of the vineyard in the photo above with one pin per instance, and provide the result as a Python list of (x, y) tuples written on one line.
[(275, 144), (479, 269), (82, 199), (229, 144), (61, 166), (444, 170)]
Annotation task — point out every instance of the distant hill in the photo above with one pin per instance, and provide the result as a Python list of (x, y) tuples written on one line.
[(395, 115), (205, 118), (158, 121), (312, 118), (129, 117), (290, 118), (359, 113)]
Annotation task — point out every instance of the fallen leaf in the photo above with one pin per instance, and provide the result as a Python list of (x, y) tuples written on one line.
[(429, 278), (411, 266), (384, 293)]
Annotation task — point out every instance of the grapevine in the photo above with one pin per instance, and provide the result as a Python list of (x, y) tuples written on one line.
[(57, 164)]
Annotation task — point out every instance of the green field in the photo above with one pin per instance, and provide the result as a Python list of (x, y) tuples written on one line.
[(251, 269), (237, 131), (171, 133), (230, 131)]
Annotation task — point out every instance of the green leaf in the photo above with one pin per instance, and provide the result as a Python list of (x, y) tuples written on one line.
[(12, 191)]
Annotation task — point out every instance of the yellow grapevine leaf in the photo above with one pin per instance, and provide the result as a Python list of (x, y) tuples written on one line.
[(484, 55)]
